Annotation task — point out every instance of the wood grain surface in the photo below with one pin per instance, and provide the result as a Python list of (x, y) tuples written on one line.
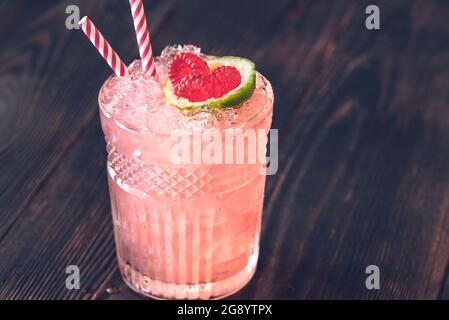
[(363, 119)]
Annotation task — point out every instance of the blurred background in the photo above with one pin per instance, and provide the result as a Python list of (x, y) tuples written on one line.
[(363, 119)]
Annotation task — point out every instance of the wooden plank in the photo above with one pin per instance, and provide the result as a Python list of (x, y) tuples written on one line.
[(43, 114), (365, 179), (443, 293), (59, 228), (48, 110)]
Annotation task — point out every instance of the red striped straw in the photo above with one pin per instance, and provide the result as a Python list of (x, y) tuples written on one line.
[(143, 37), (103, 47)]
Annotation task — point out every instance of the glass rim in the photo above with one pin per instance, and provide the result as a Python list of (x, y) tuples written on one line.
[(262, 114)]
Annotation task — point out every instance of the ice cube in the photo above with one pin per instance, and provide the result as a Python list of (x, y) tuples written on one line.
[(170, 51)]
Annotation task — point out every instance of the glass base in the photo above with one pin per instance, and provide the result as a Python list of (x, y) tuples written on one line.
[(155, 289)]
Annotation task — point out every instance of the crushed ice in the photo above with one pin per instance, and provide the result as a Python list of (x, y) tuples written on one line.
[(147, 108)]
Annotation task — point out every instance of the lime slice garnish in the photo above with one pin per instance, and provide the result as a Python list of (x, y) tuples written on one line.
[(234, 97)]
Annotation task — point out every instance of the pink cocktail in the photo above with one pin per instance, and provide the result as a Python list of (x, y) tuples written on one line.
[(182, 230)]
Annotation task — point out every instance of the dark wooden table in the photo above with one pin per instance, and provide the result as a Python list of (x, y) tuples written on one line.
[(363, 119)]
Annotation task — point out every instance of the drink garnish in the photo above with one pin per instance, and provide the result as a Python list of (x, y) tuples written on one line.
[(185, 63), (215, 82)]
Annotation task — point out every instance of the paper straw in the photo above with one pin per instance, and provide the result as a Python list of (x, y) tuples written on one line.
[(143, 37), (103, 47)]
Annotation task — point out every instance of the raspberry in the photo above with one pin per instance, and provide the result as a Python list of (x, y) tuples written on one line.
[(225, 79), (192, 79), (195, 87), (185, 63)]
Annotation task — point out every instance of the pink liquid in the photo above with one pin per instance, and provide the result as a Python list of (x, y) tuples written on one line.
[(184, 231)]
